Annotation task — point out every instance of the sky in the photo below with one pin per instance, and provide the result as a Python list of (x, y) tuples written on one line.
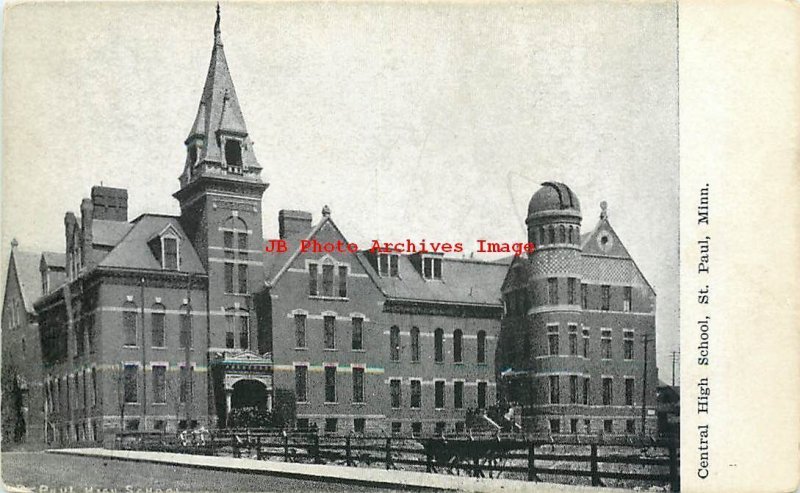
[(435, 121)]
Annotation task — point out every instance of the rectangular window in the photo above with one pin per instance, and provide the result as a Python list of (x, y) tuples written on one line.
[(482, 395), (458, 395), (629, 388), (243, 278), (94, 387), (397, 427), (460, 427), (627, 299), (327, 280), (573, 426), (159, 384), (605, 343), (130, 383), (331, 425), (587, 426), (432, 268), (555, 426), (630, 426), (552, 290), (302, 424), (584, 296), (244, 332), (606, 298), (552, 339), (357, 342), (416, 394), (359, 424), (170, 253), (227, 239), (573, 340), (228, 277), (585, 343), (393, 270), (573, 389), (301, 383), (158, 329), (628, 344), (554, 389), (185, 335), (586, 390), (241, 241), (300, 330), (343, 281), (229, 339), (330, 384), (416, 427), (571, 290), (383, 265), (129, 327), (394, 343), (438, 394), (608, 425), (186, 383), (312, 279), (358, 385), (439, 428), (394, 391), (330, 332), (608, 391)]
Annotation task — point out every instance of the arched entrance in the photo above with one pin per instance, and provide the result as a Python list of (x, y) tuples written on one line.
[(249, 394)]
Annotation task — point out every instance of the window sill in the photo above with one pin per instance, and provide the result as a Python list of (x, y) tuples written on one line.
[(247, 295), (301, 402), (128, 346), (159, 403), (329, 349), (328, 298), (359, 350), (359, 403), (330, 403), (301, 348), (159, 347)]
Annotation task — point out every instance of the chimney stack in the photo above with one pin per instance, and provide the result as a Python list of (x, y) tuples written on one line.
[(87, 213), (110, 203), (293, 225)]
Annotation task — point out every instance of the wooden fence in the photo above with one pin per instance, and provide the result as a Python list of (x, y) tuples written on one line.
[(630, 460)]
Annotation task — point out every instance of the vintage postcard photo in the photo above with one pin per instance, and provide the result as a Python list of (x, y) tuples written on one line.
[(349, 247)]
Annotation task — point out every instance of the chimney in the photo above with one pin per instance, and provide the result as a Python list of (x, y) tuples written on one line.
[(110, 203), (293, 225), (87, 213)]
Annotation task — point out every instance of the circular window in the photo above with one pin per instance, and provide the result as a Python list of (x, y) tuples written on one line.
[(605, 241)]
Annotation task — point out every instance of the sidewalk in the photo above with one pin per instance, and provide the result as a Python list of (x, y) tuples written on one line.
[(337, 474)]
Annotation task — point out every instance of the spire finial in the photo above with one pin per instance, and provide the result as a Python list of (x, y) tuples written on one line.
[(217, 31), (604, 210), (326, 211), (14, 243)]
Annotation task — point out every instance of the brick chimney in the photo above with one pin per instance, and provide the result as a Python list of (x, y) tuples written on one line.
[(110, 203), (87, 214), (293, 225)]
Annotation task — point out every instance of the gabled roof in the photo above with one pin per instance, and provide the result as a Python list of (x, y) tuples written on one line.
[(133, 252), (26, 266), (54, 259)]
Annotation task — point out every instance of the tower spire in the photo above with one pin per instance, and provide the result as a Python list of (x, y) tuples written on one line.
[(217, 30)]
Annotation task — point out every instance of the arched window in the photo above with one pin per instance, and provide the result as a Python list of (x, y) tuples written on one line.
[(438, 345), (414, 344), (457, 345), (571, 240), (235, 242), (185, 334), (562, 234), (481, 346), (394, 343), (542, 239), (157, 319), (129, 323), (551, 235)]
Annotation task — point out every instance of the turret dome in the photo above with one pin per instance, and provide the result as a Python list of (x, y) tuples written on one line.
[(553, 196)]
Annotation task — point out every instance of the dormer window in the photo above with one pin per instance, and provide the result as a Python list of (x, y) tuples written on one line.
[(432, 268), (169, 255), (387, 265)]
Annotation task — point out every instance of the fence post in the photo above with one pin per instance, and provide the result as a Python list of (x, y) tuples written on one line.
[(674, 469), (593, 466), (531, 462), (349, 456), (285, 447), (316, 448), (388, 452)]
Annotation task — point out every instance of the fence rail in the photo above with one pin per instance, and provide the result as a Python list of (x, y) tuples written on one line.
[(529, 457)]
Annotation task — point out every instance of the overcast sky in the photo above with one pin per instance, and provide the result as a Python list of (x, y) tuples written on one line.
[(413, 121)]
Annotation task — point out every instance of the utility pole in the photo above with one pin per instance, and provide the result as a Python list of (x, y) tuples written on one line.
[(674, 360), (144, 363), (187, 383), (644, 384)]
